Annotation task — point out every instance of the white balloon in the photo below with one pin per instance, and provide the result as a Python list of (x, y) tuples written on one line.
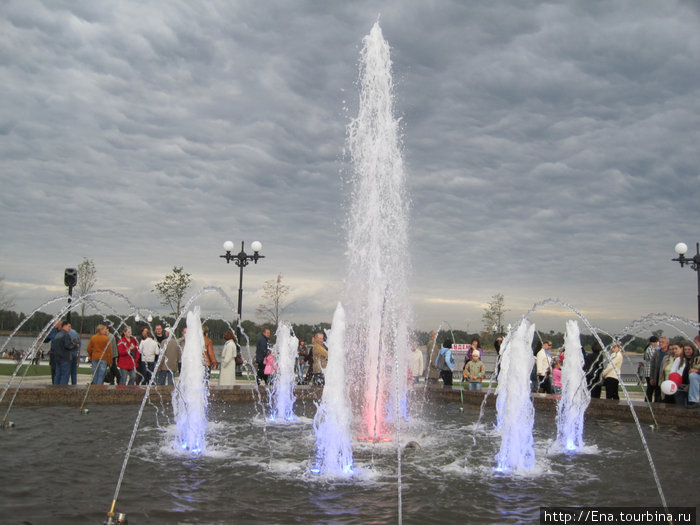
[(668, 387)]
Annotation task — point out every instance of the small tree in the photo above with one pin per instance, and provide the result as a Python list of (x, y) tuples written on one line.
[(86, 282), (172, 289), (7, 302), (493, 314), (274, 293)]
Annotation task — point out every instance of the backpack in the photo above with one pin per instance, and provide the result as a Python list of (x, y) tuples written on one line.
[(442, 361)]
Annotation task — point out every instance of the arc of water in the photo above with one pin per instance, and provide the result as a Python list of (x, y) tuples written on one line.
[(398, 395)]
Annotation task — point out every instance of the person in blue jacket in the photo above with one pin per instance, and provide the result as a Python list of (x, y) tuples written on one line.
[(445, 362)]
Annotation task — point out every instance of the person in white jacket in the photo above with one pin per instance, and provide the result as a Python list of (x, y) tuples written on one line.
[(415, 362), (149, 350), (227, 374), (544, 367), (611, 377)]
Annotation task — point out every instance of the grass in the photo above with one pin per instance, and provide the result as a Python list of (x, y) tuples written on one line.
[(34, 370)]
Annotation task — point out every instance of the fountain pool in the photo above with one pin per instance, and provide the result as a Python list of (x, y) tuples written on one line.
[(60, 466)]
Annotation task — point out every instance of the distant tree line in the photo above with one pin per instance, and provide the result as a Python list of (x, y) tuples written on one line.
[(9, 320)]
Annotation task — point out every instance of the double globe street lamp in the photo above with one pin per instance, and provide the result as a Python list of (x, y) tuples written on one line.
[(241, 259), (694, 263)]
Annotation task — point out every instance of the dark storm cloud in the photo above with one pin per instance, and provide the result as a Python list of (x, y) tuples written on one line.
[(550, 148)]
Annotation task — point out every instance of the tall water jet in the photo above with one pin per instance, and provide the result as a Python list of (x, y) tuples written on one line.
[(377, 243), (514, 409), (575, 396), (282, 396), (191, 396), (332, 421)]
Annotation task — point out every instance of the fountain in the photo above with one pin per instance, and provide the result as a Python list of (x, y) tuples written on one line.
[(221, 469), (377, 303), (516, 414), (333, 456), (282, 396), (190, 398), (575, 397)]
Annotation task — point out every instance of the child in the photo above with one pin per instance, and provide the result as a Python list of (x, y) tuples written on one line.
[(475, 371), (556, 376), (270, 366)]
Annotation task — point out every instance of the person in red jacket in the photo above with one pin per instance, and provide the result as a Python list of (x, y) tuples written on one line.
[(128, 348)]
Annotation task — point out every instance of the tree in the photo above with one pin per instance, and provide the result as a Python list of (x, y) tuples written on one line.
[(493, 314), (274, 293), (86, 282), (172, 289), (7, 302)]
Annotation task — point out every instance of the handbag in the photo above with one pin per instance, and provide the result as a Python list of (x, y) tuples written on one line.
[(238, 360)]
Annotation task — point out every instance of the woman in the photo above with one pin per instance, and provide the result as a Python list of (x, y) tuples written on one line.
[(227, 374), (611, 373), (128, 349), (543, 361), (682, 366), (674, 351), (149, 349)]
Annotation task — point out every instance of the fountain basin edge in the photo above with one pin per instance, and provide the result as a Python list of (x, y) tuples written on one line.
[(50, 395)]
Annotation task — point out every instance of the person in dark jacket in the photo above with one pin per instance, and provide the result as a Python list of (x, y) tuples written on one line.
[(62, 347), (593, 366), (261, 349)]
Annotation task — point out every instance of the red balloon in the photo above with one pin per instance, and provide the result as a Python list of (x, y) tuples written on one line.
[(676, 378)]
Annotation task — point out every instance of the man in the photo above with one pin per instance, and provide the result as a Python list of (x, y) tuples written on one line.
[(99, 354), (261, 349), (646, 365), (659, 355), (62, 347), (208, 354), (158, 331), (169, 361), (52, 357), (593, 366), (445, 362), (320, 359), (113, 377)]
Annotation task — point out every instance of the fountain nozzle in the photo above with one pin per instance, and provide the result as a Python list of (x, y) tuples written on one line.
[(118, 518)]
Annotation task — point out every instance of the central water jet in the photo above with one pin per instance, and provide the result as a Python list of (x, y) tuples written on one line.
[(377, 303)]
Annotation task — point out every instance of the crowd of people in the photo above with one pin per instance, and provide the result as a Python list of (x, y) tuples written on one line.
[(310, 362), (123, 359), (662, 361)]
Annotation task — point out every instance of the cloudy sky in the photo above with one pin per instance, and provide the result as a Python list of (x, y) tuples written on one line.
[(551, 149)]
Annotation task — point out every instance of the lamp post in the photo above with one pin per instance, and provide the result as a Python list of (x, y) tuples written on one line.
[(70, 279), (694, 262), (241, 259)]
